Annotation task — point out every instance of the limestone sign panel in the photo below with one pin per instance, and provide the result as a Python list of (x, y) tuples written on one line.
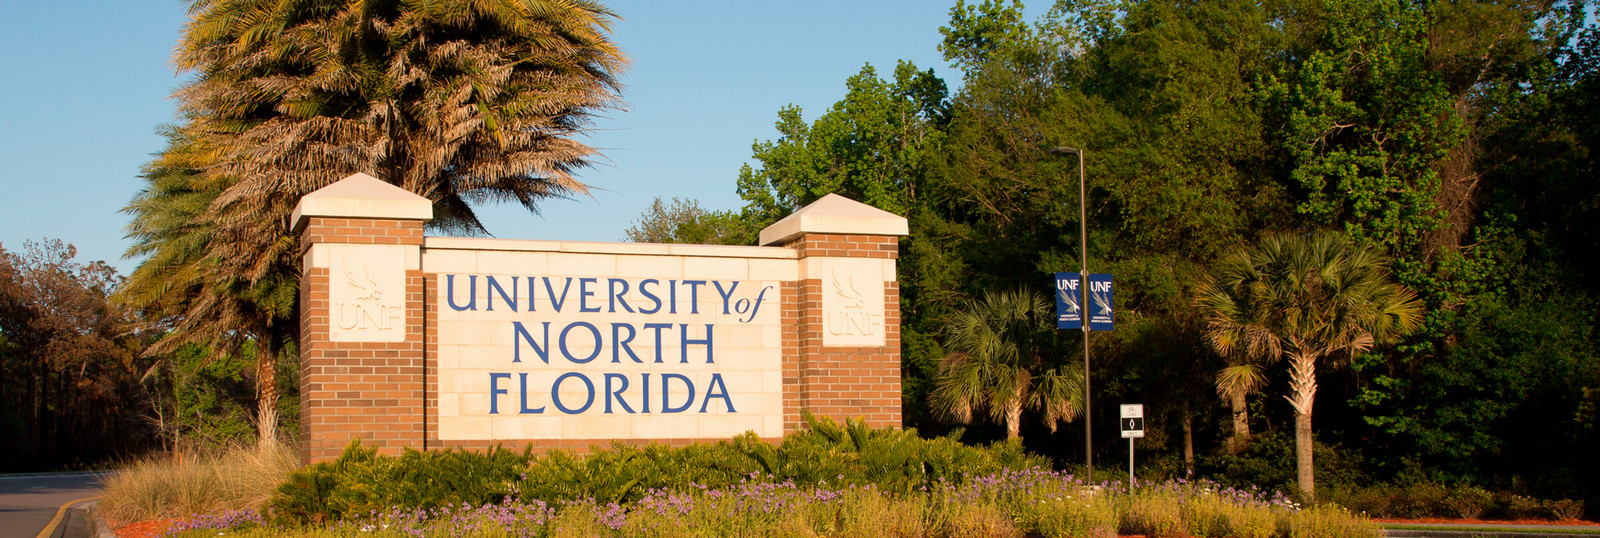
[(552, 345), (852, 301), (367, 292)]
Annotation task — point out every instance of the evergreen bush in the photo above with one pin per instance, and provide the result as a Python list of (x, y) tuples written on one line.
[(1468, 502), (825, 453)]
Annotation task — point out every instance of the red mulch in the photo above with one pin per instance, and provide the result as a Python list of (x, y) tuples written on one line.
[(144, 529), (1433, 520)]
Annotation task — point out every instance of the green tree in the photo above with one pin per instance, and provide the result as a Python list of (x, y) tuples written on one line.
[(1159, 96), (1508, 270), (459, 102), (1235, 384), (1456, 136), (998, 362), (877, 145), (200, 400), (1303, 297), (873, 146), (181, 287), (68, 366), (684, 221), (979, 31)]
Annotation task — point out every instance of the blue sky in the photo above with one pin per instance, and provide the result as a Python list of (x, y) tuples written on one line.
[(85, 85)]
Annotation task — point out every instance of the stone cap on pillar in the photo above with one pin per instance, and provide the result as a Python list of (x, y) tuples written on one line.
[(834, 214), (361, 196)]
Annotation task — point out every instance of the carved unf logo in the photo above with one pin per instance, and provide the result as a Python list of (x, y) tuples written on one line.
[(369, 309), (853, 295), (366, 294), (851, 317)]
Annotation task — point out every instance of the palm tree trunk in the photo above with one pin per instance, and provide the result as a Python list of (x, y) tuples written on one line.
[(1302, 454), (266, 390), (1303, 390), (1188, 443), (1241, 422), (1014, 419)]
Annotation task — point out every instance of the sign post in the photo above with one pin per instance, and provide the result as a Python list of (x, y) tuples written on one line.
[(1132, 428), (1073, 311)]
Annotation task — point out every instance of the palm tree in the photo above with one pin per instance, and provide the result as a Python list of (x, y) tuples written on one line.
[(459, 101), (1235, 384), (998, 363), (179, 287), (1303, 297), (455, 100)]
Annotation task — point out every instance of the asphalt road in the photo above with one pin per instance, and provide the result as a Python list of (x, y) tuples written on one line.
[(29, 502)]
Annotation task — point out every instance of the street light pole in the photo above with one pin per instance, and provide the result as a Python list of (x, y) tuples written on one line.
[(1083, 303)]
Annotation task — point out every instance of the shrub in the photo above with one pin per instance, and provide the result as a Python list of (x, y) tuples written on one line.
[(1372, 501), (1152, 514), (1564, 509), (1269, 463), (1468, 502), (895, 461), (360, 481), (623, 473), (824, 454), (1033, 502), (1419, 500), (1524, 507)]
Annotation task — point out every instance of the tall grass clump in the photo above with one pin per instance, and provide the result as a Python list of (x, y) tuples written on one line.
[(1202, 509), (167, 486), (1325, 520)]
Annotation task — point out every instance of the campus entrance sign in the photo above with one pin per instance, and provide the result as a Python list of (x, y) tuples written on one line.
[(436, 342)]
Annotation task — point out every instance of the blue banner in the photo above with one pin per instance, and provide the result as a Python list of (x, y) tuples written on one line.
[(1068, 314)]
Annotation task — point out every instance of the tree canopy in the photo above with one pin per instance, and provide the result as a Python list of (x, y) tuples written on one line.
[(1452, 140), (460, 102)]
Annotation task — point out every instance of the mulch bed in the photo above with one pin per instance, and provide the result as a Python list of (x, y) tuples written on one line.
[(144, 529)]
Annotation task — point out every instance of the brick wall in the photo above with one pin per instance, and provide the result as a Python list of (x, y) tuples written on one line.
[(360, 232), (358, 390), (855, 381)]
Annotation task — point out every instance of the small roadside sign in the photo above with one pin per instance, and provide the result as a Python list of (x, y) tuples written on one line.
[(1132, 428), (1132, 421)]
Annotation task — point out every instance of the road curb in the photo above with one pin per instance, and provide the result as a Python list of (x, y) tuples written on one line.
[(1420, 533), (69, 519), (98, 527)]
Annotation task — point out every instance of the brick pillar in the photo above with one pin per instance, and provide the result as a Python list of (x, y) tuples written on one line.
[(847, 309), (361, 317)]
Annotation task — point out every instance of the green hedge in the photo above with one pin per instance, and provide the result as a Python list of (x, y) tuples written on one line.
[(824, 453), (1429, 499)]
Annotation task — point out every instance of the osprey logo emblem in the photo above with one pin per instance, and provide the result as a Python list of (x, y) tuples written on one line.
[(853, 303), (374, 295), (366, 308), (366, 295), (848, 292), (1070, 300)]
